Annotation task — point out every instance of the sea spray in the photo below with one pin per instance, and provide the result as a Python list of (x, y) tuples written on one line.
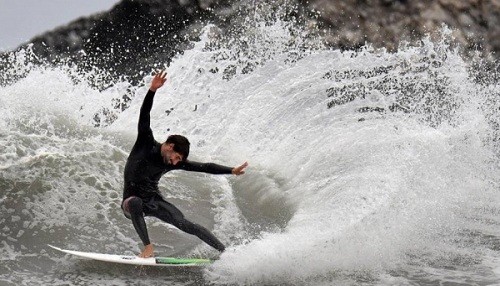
[(380, 181), (378, 168)]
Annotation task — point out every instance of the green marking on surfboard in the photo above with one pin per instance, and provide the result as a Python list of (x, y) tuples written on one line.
[(171, 260)]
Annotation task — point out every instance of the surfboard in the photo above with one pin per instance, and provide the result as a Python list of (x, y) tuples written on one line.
[(135, 260)]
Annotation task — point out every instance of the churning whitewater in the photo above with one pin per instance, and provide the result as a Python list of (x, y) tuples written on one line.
[(366, 167)]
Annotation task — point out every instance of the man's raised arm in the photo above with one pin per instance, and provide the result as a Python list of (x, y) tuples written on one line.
[(144, 118)]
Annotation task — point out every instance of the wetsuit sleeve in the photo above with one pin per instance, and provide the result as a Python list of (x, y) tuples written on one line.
[(144, 127), (209, 168)]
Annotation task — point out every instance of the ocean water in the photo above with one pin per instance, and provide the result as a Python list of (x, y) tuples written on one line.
[(366, 167)]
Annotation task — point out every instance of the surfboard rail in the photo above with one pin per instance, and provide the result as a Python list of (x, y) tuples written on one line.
[(135, 260)]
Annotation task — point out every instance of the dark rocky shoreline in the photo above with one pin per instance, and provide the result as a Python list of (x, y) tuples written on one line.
[(135, 35)]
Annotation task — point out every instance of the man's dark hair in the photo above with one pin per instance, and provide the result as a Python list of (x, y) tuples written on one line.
[(181, 145)]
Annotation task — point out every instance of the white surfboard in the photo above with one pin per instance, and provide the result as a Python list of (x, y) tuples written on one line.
[(135, 260)]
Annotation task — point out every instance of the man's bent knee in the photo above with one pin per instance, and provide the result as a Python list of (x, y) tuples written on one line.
[(132, 206)]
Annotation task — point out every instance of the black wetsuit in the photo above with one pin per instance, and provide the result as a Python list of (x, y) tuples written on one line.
[(144, 168)]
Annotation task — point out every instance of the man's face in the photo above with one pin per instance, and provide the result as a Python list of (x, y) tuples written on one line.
[(174, 158), (170, 156)]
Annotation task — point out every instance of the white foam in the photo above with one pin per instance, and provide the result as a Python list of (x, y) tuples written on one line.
[(369, 190)]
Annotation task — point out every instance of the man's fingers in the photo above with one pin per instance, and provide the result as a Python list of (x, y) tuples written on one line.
[(241, 168), (162, 75)]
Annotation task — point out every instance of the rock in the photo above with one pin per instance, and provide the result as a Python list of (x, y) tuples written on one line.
[(136, 35), (384, 23)]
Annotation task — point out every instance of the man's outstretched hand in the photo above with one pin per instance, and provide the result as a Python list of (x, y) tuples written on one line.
[(240, 170), (159, 79)]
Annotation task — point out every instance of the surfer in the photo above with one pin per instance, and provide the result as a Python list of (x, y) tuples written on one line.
[(147, 162)]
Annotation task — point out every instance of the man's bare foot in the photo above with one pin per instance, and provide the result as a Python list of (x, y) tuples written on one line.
[(147, 252)]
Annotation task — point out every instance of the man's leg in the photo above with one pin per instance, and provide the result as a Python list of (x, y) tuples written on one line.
[(133, 209), (172, 215)]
